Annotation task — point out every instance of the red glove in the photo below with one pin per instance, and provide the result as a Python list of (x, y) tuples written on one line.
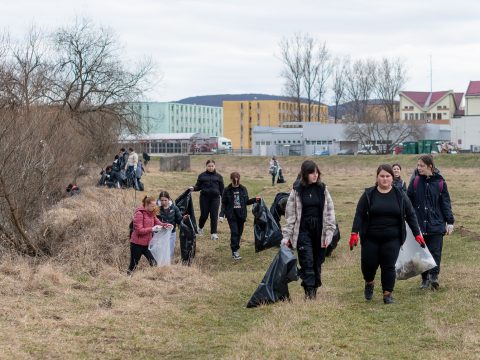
[(353, 240), (420, 240)]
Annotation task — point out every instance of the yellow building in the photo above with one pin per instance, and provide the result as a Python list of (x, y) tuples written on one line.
[(240, 117)]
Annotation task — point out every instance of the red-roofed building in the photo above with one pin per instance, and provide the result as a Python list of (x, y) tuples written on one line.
[(472, 99), (437, 107)]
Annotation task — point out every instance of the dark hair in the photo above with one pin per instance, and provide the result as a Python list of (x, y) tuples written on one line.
[(428, 160), (122, 149), (210, 161), (130, 149), (274, 158), (397, 165), (147, 199), (235, 177), (308, 167), (384, 167), (164, 194)]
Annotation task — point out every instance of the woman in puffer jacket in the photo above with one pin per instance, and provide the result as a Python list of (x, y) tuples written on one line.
[(144, 224), (169, 213)]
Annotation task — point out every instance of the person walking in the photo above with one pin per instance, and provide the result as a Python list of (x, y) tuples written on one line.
[(234, 208), (273, 170), (131, 168), (169, 213), (310, 224), (397, 178), (144, 224), (380, 221), (210, 184), (430, 198)]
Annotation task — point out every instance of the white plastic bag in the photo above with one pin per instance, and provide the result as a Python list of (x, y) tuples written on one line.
[(413, 259), (159, 246)]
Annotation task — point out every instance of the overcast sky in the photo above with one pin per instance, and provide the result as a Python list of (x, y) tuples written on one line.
[(231, 46)]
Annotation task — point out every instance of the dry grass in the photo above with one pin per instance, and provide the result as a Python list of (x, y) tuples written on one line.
[(79, 303)]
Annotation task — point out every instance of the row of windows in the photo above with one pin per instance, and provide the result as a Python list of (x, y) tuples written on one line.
[(319, 142), (423, 116)]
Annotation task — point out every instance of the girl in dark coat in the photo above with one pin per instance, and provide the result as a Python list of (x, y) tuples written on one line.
[(397, 178), (210, 185), (429, 195), (169, 213), (380, 220), (234, 208)]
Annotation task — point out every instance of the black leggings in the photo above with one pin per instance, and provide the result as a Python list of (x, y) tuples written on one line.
[(209, 205), (383, 253), (136, 252)]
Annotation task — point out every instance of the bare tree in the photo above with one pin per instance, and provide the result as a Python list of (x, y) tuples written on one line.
[(339, 70), (310, 72), (390, 79), (325, 68), (291, 54)]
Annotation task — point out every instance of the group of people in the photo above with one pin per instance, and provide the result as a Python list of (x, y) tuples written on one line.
[(381, 215), (125, 171)]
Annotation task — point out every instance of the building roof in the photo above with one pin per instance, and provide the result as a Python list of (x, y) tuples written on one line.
[(217, 100), (473, 88), (425, 99)]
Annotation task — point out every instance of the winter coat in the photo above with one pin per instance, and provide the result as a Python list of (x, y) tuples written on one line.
[(143, 222), (228, 198), (362, 214), (399, 184), (132, 159), (431, 202), (209, 184), (171, 215), (293, 216)]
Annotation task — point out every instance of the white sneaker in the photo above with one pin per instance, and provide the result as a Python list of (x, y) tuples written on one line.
[(200, 231), (214, 237), (236, 256)]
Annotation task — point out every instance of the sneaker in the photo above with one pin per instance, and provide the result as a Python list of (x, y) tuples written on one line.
[(200, 231), (236, 256), (368, 292), (388, 299), (425, 284), (214, 237), (434, 281)]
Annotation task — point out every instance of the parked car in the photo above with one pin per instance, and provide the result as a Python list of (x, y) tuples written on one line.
[(346, 152), (321, 153)]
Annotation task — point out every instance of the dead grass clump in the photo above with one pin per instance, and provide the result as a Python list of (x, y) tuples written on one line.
[(91, 229)]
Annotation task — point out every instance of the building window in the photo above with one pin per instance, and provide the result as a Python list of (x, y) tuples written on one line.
[(422, 116), (406, 116), (411, 116), (434, 116), (439, 116), (416, 116)]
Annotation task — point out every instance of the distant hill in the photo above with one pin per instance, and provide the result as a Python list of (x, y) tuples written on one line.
[(217, 100)]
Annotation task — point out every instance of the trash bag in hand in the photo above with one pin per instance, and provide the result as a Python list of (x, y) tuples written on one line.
[(185, 205), (159, 246), (335, 239), (266, 231), (187, 241), (413, 259), (274, 285), (278, 206)]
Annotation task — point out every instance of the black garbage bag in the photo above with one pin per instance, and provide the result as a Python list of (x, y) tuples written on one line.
[(187, 241), (274, 285), (280, 179), (334, 243), (267, 232), (185, 204), (278, 206)]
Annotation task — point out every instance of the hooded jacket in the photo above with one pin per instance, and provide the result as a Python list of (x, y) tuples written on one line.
[(228, 202), (210, 184), (431, 202), (293, 217), (362, 214), (171, 215), (143, 222)]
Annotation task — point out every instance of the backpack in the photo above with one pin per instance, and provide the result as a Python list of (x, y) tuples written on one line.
[(417, 179)]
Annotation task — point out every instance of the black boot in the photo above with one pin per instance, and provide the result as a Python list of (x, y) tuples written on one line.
[(368, 292), (433, 278), (310, 293)]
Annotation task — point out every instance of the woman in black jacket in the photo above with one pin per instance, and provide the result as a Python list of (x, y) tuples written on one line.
[(210, 185), (234, 208), (169, 213), (398, 182), (380, 220), (429, 195)]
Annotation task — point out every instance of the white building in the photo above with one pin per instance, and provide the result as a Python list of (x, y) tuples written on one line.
[(466, 129)]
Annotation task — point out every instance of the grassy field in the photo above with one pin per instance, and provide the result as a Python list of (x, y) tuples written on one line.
[(80, 303)]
